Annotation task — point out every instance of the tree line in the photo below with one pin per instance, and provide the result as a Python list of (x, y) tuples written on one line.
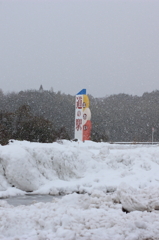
[(45, 116), (22, 125)]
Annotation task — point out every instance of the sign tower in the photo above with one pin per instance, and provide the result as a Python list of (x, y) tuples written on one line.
[(83, 123)]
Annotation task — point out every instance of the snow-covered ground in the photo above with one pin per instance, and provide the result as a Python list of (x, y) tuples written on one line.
[(111, 191)]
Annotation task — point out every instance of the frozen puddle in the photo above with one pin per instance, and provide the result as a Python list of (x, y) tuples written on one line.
[(29, 199)]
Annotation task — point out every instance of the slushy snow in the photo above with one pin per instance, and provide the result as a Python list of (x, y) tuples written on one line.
[(110, 191)]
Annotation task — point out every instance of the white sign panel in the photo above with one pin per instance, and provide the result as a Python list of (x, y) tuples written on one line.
[(86, 115), (79, 117)]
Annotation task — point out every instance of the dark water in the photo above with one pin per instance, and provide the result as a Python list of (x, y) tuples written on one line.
[(29, 199)]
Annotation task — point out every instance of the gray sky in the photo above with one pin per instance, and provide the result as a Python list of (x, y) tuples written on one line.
[(107, 47)]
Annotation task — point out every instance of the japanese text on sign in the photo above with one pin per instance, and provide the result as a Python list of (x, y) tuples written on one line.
[(79, 102), (79, 124)]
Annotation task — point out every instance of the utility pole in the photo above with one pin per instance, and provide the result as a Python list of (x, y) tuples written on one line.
[(152, 133)]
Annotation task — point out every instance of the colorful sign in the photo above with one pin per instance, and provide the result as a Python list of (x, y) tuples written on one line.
[(82, 117)]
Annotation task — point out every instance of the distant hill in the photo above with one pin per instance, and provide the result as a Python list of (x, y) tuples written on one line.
[(119, 117)]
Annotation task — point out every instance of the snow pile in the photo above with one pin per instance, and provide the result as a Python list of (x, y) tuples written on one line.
[(142, 200), (113, 180), (76, 216), (29, 165), (77, 167)]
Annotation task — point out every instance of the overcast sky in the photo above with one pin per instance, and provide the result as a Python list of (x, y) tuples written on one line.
[(107, 47)]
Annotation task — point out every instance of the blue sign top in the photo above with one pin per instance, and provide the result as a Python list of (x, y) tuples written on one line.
[(82, 92)]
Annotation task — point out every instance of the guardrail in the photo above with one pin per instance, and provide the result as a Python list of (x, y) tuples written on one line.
[(152, 143)]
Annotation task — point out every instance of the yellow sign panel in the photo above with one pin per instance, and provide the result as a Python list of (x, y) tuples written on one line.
[(85, 102)]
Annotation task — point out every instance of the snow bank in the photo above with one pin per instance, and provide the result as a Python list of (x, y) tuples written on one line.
[(77, 167), (76, 216), (29, 165), (112, 179)]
